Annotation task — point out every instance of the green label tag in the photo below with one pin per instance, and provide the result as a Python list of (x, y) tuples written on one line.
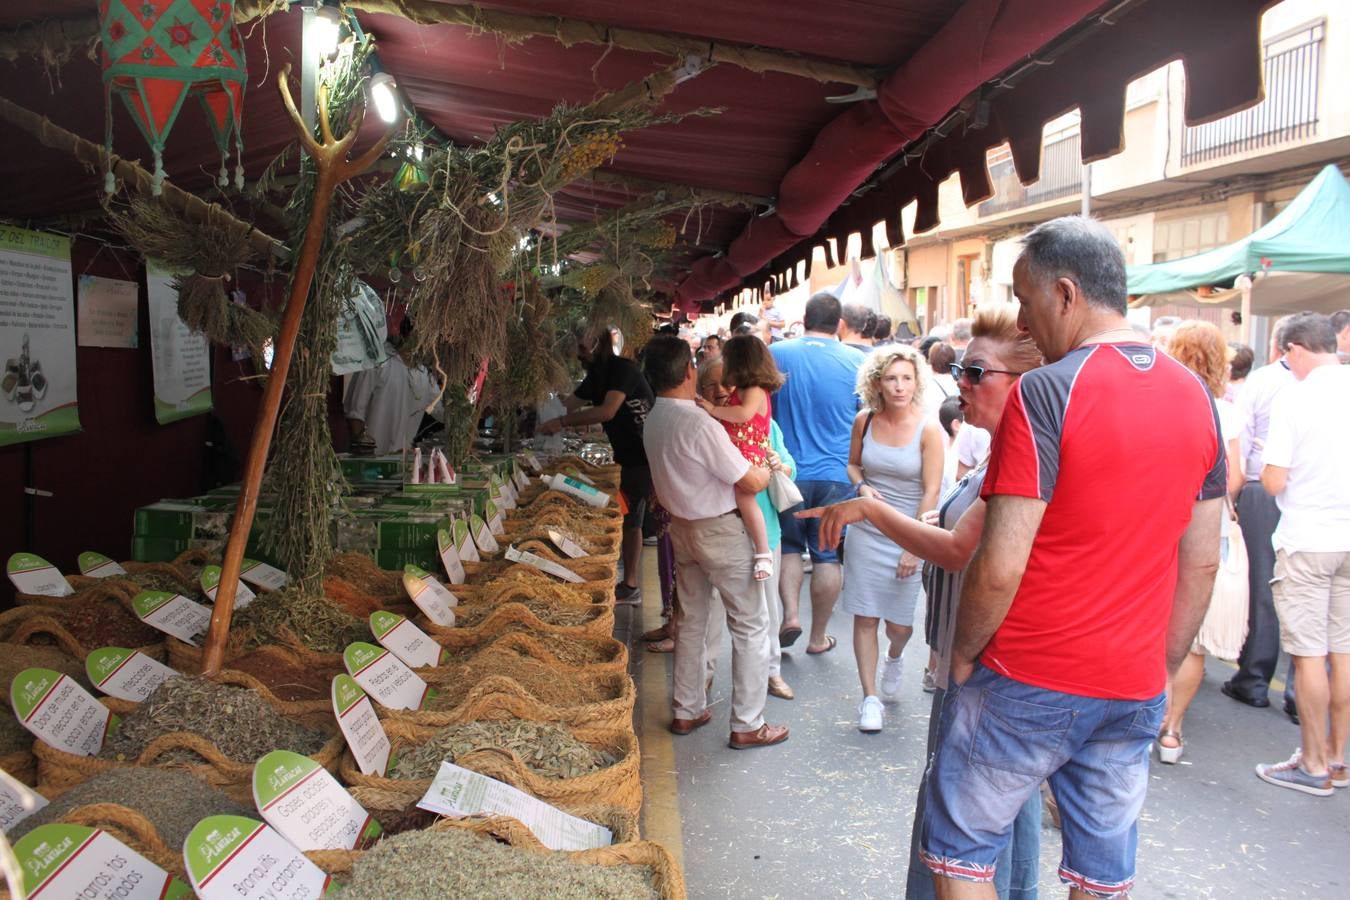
[(482, 534), (96, 565), (356, 718), (381, 622), (60, 712), (31, 574), (468, 551), (454, 567), (307, 806), (385, 677), (146, 602), (405, 640), (229, 857), (126, 674), (78, 861), (210, 581)]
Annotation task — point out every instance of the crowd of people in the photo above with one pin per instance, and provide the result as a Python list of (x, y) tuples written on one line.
[(1086, 512)]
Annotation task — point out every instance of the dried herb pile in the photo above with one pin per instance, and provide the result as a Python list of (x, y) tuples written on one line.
[(173, 801), (431, 865), (239, 722), (291, 615), (287, 678), (539, 679), (158, 581), (551, 612), (14, 658), (548, 749), (107, 624), (13, 736)]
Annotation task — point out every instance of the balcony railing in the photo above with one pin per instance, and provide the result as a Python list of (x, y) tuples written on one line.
[(1061, 175), (1288, 113)]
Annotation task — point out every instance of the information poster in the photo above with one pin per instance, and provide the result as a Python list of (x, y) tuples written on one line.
[(181, 357), (107, 312), (37, 337)]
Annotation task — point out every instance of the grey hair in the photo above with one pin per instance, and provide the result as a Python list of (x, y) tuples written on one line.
[(1083, 250), (1310, 330), (961, 330), (855, 315)]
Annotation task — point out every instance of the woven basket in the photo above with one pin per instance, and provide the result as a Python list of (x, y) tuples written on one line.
[(666, 876), (520, 629), (190, 563), (599, 621), (22, 765), (87, 590), (188, 659), (617, 785), (133, 829), (59, 771), (35, 625), (362, 571), (498, 697), (588, 568)]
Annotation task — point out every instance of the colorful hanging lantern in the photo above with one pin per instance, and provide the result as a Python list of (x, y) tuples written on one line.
[(158, 52)]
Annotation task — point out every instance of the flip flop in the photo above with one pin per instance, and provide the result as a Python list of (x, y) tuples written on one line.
[(788, 636), (830, 644), (666, 645)]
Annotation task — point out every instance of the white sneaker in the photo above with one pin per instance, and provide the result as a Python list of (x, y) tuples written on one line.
[(870, 714), (890, 677)]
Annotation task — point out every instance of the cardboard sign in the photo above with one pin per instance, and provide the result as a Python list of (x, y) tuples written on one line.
[(458, 792), (482, 535), (96, 565), (464, 545), (542, 564), (237, 858), (360, 726), (261, 575), (566, 545), (385, 677), (17, 801), (430, 596), (31, 574), (60, 712), (60, 861), (494, 519), (445, 545), (210, 581), (405, 640), (173, 614), (308, 807), (126, 674)]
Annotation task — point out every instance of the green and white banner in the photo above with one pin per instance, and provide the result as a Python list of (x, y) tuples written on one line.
[(181, 357), (37, 337)]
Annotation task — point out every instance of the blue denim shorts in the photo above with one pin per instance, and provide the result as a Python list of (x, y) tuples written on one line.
[(804, 534), (998, 739)]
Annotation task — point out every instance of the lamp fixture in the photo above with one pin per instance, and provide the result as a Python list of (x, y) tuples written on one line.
[(384, 96), (326, 30)]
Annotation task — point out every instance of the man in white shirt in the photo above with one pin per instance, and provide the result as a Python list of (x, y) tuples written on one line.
[(1304, 469), (384, 405), (695, 471)]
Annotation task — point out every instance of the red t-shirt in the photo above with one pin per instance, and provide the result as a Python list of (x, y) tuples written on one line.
[(1120, 441)]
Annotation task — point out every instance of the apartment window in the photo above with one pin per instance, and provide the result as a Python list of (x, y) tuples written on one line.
[(1187, 237)]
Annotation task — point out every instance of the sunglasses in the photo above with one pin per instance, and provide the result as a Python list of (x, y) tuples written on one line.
[(973, 374)]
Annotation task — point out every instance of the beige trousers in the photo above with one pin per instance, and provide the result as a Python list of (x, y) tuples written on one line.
[(715, 555), (717, 622)]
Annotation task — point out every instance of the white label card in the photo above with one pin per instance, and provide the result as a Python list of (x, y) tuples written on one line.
[(385, 677), (566, 545), (31, 574), (237, 858), (482, 535), (464, 544), (173, 614), (454, 569), (261, 575), (210, 579), (360, 725), (430, 596), (307, 806), (96, 565), (542, 564), (56, 709), (76, 861), (532, 461), (458, 792), (126, 674), (17, 801), (405, 640)]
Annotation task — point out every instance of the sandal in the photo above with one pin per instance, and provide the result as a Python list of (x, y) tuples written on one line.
[(665, 645), (763, 566), (1170, 755)]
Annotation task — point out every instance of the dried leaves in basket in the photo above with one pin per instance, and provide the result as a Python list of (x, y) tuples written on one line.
[(548, 749), (239, 722), (433, 864), (281, 617), (552, 612), (544, 682)]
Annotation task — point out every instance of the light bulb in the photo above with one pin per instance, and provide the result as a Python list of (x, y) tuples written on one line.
[(418, 152), (394, 276), (326, 29), (383, 97)]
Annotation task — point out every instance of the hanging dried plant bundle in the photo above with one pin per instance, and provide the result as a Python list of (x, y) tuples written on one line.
[(531, 371)]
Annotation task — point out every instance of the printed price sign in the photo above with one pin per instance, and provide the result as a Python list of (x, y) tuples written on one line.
[(445, 545), (126, 674), (502, 489), (430, 596), (31, 574), (173, 614), (61, 861), (17, 801), (405, 640), (464, 544), (237, 858), (521, 479), (60, 712), (360, 726), (385, 677), (307, 806), (566, 545), (542, 564), (494, 519), (210, 580), (482, 535), (261, 575), (96, 565)]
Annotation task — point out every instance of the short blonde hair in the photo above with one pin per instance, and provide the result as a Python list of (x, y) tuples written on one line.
[(876, 364), (1200, 347), (997, 321)]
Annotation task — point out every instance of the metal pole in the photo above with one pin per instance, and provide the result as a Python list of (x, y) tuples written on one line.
[(1086, 209), (309, 67)]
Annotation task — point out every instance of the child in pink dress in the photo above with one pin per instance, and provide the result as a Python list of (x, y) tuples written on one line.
[(749, 372)]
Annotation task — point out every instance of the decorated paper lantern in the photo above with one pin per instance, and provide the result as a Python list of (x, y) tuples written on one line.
[(156, 53)]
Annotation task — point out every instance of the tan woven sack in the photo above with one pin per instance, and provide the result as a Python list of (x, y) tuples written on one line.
[(499, 697), (22, 764), (133, 829), (87, 590), (587, 653)]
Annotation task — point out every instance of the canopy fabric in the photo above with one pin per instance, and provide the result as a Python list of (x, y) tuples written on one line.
[(1273, 294), (1311, 234)]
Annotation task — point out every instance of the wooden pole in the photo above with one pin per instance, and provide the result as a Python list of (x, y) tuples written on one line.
[(333, 167)]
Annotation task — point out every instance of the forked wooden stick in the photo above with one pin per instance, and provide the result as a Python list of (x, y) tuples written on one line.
[(330, 160)]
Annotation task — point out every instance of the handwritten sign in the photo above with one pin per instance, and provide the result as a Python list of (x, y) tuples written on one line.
[(106, 315), (60, 712), (360, 726), (307, 806), (173, 614), (126, 674), (385, 677), (237, 858)]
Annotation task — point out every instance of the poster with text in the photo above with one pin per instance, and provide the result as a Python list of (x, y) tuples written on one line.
[(107, 312), (37, 336), (182, 357)]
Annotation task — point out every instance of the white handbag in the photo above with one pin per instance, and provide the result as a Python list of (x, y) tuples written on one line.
[(783, 492)]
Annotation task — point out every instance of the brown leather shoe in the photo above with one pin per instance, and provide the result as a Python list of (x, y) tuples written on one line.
[(686, 726), (765, 736), (780, 689)]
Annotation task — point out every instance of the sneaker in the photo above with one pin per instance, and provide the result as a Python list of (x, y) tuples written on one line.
[(627, 596), (650, 541), (870, 715), (890, 677), (1340, 775), (929, 681), (1291, 774)]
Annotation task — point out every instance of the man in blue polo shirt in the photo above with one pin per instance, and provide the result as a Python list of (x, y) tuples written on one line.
[(815, 410)]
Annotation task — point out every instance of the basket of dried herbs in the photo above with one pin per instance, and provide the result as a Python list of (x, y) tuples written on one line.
[(87, 590), (491, 692), (589, 570), (605, 528), (286, 680), (487, 618), (596, 546), (526, 581), (449, 861), (80, 628), (213, 731), (150, 810), (363, 573), (558, 646)]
